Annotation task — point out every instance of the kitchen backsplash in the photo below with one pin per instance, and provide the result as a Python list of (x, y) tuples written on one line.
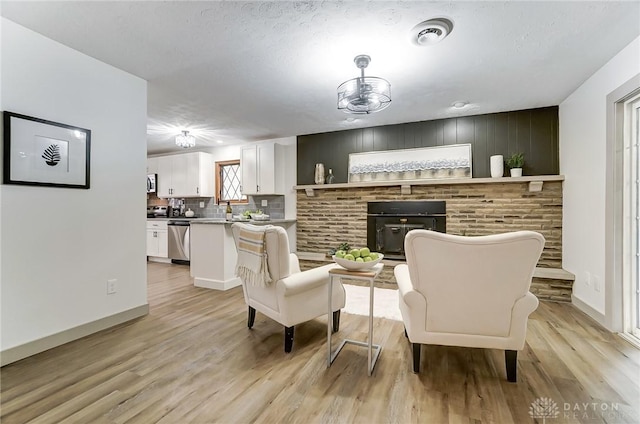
[(274, 208), (154, 200)]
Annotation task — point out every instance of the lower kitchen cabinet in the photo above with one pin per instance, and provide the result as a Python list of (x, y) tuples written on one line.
[(157, 239)]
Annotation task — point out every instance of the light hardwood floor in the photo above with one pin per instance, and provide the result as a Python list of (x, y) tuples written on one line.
[(193, 360)]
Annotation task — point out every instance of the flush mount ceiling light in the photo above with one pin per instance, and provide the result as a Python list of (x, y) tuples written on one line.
[(459, 105), (431, 32), (364, 95), (185, 140)]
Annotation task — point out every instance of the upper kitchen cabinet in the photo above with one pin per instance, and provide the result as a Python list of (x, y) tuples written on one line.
[(186, 175), (262, 168)]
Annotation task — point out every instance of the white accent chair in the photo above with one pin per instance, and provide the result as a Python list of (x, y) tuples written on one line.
[(468, 291), (293, 297)]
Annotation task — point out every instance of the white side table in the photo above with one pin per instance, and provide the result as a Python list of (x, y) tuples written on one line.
[(368, 275)]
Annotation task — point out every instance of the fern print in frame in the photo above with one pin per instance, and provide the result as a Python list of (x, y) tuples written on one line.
[(51, 155), (45, 153)]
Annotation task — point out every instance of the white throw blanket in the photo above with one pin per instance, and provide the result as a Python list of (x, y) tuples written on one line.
[(252, 257)]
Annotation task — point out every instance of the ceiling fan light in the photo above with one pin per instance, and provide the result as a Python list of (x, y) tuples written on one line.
[(364, 95)]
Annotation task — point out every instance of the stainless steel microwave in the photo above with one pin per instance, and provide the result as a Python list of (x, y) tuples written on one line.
[(151, 183)]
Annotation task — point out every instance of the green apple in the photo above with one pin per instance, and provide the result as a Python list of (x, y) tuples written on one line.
[(364, 252), (349, 257), (359, 260), (367, 259), (340, 254), (355, 253), (373, 256)]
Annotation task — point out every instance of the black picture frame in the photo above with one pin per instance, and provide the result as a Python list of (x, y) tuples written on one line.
[(38, 152)]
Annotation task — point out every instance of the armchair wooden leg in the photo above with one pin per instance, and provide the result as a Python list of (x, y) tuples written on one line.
[(510, 359), (416, 357), (288, 339), (252, 317), (336, 321)]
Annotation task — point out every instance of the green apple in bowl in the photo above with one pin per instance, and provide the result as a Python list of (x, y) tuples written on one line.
[(364, 252), (352, 263), (340, 253), (355, 253)]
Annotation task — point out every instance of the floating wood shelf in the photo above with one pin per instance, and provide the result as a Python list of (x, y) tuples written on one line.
[(535, 183)]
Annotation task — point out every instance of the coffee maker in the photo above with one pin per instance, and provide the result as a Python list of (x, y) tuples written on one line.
[(176, 207)]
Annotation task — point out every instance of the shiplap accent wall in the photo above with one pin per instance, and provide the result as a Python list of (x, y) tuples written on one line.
[(533, 132)]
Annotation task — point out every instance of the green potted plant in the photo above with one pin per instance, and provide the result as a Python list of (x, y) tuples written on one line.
[(515, 164)]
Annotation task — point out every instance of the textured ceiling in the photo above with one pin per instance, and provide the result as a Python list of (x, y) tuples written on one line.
[(245, 71)]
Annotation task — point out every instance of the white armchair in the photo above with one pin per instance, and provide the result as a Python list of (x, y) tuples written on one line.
[(293, 297), (468, 291)]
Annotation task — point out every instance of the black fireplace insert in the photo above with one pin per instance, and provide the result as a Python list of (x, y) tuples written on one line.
[(389, 222)]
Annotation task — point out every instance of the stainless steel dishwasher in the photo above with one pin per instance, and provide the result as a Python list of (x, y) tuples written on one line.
[(179, 243)]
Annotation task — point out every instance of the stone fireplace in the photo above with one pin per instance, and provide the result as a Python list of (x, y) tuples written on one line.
[(483, 206)]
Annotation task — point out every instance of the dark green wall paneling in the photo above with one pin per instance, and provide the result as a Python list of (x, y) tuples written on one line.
[(533, 132)]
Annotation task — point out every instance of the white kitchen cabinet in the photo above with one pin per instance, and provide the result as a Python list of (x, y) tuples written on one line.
[(157, 239), (164, 176), (186, 175), (262, 169)]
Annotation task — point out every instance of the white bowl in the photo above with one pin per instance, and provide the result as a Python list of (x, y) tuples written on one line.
[(356, 266)]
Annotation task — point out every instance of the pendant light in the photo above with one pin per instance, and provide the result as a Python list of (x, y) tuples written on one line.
[(185, 140)]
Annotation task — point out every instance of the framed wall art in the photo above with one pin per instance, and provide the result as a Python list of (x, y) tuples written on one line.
[(426, 163), (45, 153)]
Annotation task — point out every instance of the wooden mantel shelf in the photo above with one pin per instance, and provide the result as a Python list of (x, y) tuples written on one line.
[(535, 183)]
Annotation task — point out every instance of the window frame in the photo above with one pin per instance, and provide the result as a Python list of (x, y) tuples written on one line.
[(219, 182)]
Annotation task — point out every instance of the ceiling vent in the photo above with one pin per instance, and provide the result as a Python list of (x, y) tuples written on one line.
[(431, 32)]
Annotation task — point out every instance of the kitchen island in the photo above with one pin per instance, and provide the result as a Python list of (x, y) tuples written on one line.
[(213, 251)]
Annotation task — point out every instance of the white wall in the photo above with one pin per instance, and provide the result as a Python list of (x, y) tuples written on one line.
[(583, 162), (59, 246)]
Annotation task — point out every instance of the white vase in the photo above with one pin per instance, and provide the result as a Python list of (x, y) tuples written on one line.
[(497, 166), (516, 172), (319, 174)]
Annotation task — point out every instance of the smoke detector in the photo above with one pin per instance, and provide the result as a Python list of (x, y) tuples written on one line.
[(431, 32)]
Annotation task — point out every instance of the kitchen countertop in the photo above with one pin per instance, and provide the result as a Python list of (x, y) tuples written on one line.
[(254, 222), (222, 220)]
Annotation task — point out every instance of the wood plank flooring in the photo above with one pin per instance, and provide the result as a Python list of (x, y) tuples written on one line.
[(193, 360)]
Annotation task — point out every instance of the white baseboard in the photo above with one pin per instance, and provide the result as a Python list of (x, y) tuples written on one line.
[(158, 259), (216, 284), (584, 307), (16, 353)]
